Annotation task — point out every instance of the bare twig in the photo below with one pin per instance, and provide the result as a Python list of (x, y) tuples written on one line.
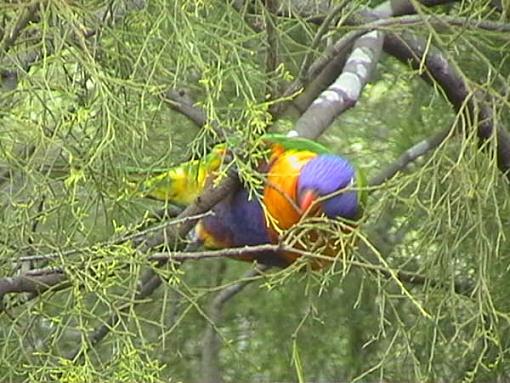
[(137, 237), (404, 276), (233, 252), (272, 47), (323, 28), (410, 155), (26, 16), (39, 280)]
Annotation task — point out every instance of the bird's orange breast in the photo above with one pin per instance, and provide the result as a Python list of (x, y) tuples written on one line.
[(282, 206), (280, 192)]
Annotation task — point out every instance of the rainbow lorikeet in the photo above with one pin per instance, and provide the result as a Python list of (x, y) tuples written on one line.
[(302, 178)]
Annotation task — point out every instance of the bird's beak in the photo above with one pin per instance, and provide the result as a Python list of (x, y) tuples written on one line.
[(307, 200)]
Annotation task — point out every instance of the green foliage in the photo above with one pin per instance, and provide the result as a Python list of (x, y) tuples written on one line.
[(91, 107)]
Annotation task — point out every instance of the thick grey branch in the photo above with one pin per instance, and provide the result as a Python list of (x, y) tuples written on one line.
[(31, 281), (345, 91), (436, 21)]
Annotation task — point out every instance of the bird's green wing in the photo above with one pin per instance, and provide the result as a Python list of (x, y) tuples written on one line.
[(295, 143)]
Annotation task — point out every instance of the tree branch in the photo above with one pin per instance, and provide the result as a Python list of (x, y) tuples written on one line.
[(345, 91), (33, 281), (445, 21), (272, 59), (404, 7), (414, 50), (137, 237), (40, 280), (180, 101), (410, 155), (326, 68)]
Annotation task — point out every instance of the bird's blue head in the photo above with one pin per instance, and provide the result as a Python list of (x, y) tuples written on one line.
[(324, 175)]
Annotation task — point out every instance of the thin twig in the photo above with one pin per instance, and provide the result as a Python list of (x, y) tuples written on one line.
[(409, 156), (323, 28), (26, 17), (137, 238), (272, 47)]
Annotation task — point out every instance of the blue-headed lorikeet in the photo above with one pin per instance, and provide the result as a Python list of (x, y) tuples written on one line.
[(305, 178), (301, 177)]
